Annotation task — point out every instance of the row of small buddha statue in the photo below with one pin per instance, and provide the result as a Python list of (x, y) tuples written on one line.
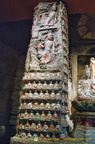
[(34, 136), (41, 95), (39, 126), (39, 116), (41, 105), (45, 75), (40, 85)]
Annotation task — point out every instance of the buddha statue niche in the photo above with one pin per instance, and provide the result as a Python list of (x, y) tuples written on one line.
[(49, 116), (51, 127), (43, 116), (31, 115), (33, 126), (55, 116), (37, 115), (41, 95), (35, 105), (52, 95), (27, 125), (39, 126), (41, 136), (29, 136), (26, 114), (45, 127), (46, 96)]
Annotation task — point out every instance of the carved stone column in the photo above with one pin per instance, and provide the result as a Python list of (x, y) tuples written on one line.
[(43, 104)]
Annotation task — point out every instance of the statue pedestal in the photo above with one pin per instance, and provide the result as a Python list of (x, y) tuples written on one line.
[(85, 128), (15, 140)]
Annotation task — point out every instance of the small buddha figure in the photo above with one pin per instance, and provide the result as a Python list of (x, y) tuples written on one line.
[(27, 125), (47, 76), (24, 105), (34, 85), (17, 134), (52, 106), (39, 85), (52, 95), (49, 115), (41, 95), (55, 116), (23, 97), (51, 127), (25, 86), (37, 75), (39, 126), (31, 115), (51, 85), (46, 96), (26, 114), (42, 105), (21, 126), (33, 126), (32, 75), (35, 96), (54, 136), (47, 136), (58, 105), (53, 75), (26, 94), (30, 95), (35, 105), (45, 85), (58, 95), (29, 136), (29, 105), (45, 127), (28, 76), (43, 116), (21, 115), (29, 84), (23, 135), (47, 105), (57, 128), (41, 136), (42, 75), (37, 115), (56, 85), (58, 75)]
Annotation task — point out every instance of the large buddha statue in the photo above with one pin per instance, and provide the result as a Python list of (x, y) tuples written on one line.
[(86, 85)]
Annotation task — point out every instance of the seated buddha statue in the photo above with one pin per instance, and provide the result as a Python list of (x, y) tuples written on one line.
[(39, 126), (33, 126), (37, 115), (31, 115), (51, 127), (41, 136), (55, 116), (43, 115), (45, 127), (49, 115)]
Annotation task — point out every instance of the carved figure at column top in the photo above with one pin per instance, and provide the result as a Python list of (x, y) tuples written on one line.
[(52, 15), (48, 18)]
